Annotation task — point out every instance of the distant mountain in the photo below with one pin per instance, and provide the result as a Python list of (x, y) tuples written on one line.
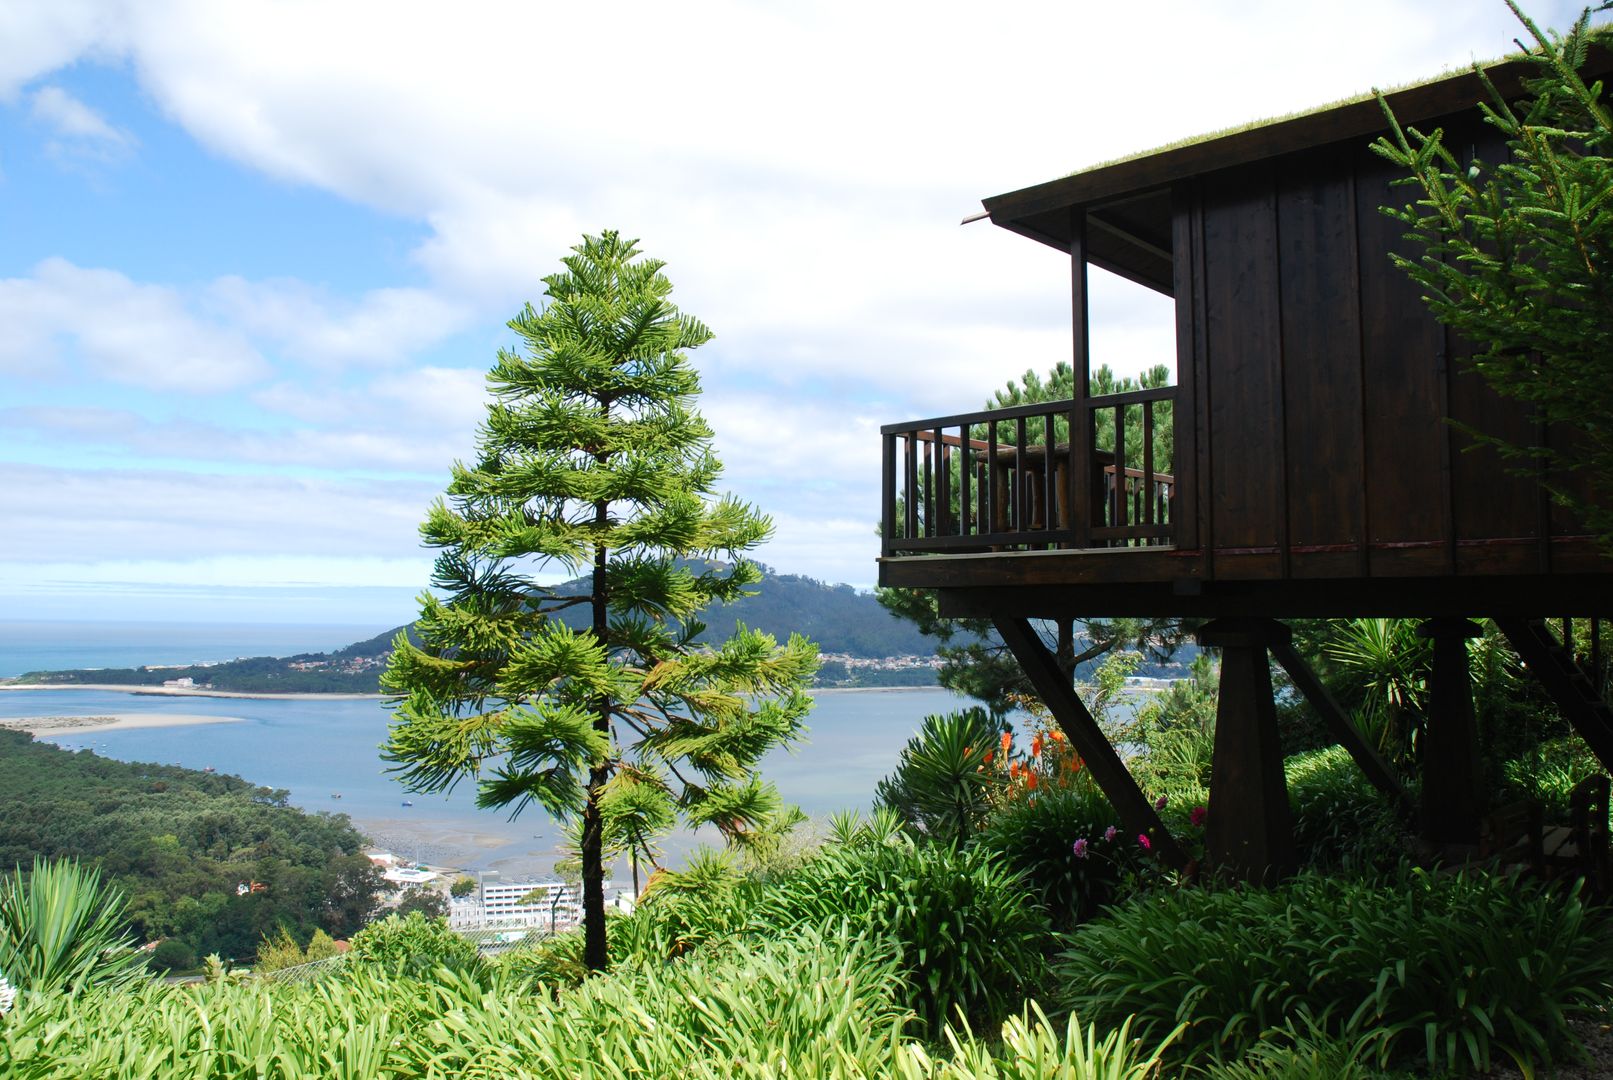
[(840, 619)]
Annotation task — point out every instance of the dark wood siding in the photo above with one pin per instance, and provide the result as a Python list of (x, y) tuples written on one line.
[(1243, 343)]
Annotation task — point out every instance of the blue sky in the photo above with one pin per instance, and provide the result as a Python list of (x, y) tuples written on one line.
[(256, 257)]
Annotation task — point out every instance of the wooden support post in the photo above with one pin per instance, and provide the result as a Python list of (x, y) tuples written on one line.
[(1250, 830), (1338, 722), (1137, 814), (1453, 797)]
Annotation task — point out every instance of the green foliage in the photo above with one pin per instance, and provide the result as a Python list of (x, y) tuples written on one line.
[(593, 456), (1516, 257), (62, 929), (280, 951), (1031, 1049), (1447, 970), (462, 887), (942, 784), (178, 842), (427, 901), (1388, 663), (413, 945), (172, 956), (1060, 386), (1340, 820), (1037, 836), (968, 933)]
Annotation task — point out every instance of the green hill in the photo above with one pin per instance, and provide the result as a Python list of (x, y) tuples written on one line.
[(840, 619)]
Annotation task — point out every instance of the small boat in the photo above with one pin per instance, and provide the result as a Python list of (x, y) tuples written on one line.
[(209, 769), (406, 802), (336, 794)]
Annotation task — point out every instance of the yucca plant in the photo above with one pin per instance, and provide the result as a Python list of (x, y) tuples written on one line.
[(1033, 1048), (942, 783), (62, 929)]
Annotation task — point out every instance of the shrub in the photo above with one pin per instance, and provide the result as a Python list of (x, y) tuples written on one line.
[(1446, 969), (413, 945), (62, 929), (172, 955), (968, 933), (1036, 837), (1340, 819)]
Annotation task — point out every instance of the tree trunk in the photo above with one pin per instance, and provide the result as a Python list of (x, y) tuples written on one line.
[(595, 956)]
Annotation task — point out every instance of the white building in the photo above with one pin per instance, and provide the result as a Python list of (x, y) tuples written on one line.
[(499, 904)]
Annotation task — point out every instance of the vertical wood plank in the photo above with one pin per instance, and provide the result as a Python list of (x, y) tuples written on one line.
[(1244, 329), (1321, 336), (1184, 412)]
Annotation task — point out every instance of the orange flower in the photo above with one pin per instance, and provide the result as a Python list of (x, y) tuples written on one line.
[(991, 755), (1013, 771), (1036, 745), (1030, 780), (1058, 736), (1008, 742)]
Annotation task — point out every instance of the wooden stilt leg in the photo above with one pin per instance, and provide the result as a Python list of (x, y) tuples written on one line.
[(1453, 800), (1250, 831)]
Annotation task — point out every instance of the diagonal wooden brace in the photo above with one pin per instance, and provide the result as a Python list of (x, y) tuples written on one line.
[(1377, 771), (1136, 812)]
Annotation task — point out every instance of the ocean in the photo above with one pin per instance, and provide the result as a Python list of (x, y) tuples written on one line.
[(317, 749)]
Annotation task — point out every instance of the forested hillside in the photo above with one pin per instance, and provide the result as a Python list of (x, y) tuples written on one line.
[(182, 842)]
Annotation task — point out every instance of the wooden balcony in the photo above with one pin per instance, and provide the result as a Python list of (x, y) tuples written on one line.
[(1007, 480)]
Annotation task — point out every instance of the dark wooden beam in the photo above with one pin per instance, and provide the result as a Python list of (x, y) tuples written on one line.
[(1250, 829), (1137, 814), (1575, 694), (1453, 796), (1338, 722)]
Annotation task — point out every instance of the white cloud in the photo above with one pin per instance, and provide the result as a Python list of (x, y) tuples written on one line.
[(79, 125), (136, 334), (36, 38), (384, 326), (144, 515)]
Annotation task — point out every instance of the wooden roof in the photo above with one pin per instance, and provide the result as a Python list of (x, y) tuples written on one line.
[(1129, 223)]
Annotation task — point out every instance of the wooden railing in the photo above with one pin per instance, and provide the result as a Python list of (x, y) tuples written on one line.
[(1003, 480)]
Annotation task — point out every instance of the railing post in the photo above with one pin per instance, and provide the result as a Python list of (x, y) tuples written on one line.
[(887, 496)]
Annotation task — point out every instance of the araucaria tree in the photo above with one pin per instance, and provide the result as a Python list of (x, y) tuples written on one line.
[(1518, 255), (592, 458)]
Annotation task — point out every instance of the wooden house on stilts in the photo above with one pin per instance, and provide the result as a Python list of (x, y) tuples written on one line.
[(1320, 465)]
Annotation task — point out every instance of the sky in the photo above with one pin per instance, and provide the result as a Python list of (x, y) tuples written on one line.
[(256, 258)]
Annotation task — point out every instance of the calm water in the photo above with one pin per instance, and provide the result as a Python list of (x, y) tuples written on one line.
[(318, 748), (57, 646)]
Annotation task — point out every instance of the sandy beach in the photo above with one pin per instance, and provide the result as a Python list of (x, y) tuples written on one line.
[(176, 691), (62, 725)]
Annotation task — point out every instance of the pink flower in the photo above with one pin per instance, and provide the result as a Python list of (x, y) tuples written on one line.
[(1109, 833), (1080, 847), (1159, 803), (1197, 816), (1142, 838)]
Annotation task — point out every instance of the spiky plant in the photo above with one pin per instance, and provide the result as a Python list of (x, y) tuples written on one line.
[(62, 929)]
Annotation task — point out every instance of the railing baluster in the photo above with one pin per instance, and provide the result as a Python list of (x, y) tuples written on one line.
[(1048, 470), (943, 494), (1120, 467), (995, 496), (1148, 463), (911, 478), (929, 494), (966, 471), (1021, 518)]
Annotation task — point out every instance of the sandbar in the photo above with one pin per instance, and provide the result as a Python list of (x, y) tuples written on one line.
[(46, 726), (181, 691)]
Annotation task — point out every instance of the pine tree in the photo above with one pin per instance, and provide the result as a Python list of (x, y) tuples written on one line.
[(592, 455)]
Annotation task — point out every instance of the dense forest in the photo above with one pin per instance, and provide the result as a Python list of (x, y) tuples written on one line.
[(838, 617), (181, 843)]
